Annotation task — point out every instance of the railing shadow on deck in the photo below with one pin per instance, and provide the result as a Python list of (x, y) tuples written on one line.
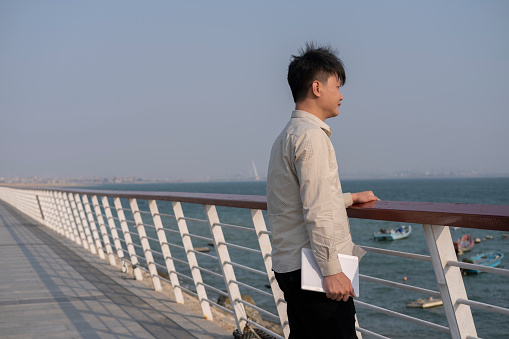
[(179, 239)]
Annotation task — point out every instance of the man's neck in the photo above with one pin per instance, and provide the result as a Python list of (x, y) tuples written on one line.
[(309, 107)]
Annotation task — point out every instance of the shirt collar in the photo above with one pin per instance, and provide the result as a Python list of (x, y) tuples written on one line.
[(314, 119)]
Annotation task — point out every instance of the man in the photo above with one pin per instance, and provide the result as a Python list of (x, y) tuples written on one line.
[(305, 203)]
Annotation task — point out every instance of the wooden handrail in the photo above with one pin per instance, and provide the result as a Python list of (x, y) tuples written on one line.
[(228, 200), (489, 217)]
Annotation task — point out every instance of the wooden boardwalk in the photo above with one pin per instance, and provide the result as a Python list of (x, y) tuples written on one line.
[(52, 288)]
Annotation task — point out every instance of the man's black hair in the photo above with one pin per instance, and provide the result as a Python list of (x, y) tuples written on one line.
[(313, 63)]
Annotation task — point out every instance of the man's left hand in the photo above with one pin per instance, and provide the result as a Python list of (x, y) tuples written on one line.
[(338, 287)]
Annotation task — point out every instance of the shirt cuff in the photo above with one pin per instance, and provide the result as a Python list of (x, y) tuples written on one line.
[(347, 197), (330, 267)]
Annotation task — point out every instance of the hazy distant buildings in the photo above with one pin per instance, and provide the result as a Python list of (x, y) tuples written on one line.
[(232, 177)]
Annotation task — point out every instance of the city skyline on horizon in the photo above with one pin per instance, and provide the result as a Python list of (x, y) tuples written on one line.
[(136, 179)]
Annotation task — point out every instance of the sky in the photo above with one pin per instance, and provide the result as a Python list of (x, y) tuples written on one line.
[(197, 89)]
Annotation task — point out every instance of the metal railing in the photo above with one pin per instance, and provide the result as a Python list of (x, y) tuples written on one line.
[(151, 232)]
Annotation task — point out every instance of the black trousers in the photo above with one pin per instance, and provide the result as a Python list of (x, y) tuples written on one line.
[(312, 315)]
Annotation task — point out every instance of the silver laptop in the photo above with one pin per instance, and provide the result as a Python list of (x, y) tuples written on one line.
[(312, 278)]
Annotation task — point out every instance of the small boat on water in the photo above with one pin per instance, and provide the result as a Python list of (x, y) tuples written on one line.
[(464, 244), (489, 259), (400, 233), (425, 303)]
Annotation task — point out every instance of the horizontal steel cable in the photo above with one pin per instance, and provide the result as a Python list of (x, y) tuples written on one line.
[(484, 306), (261, 310), (247, 249), (236, 227), (400, 285), (397, 253), (403, 316), (247, 268), (475, 267), (252, 288)]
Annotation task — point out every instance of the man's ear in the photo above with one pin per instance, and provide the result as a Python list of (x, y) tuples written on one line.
[(316, 88)]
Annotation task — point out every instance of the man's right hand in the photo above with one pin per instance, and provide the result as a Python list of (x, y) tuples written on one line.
[(338, 287), (362, 197)]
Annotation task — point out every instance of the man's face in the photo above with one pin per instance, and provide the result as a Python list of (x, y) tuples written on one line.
[(331, 97)]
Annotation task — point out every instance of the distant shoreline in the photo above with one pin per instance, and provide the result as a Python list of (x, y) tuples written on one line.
[(141, 182)]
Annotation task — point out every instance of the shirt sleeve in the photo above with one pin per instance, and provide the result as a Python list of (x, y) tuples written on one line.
[(312, 167), (347, 197)]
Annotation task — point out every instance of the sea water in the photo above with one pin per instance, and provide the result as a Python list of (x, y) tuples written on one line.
[(484, 287)]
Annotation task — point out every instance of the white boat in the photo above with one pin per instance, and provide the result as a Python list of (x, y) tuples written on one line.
[(400, 233)]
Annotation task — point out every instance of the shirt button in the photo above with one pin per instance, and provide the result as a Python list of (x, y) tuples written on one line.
[(314, 251)]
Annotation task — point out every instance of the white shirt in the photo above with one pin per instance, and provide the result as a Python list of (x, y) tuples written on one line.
[(306, 206)]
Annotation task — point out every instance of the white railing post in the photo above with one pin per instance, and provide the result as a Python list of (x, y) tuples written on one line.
[(41, 217), (165, 249), (79, 224), (104, 232), (128, 239), (84, 223), (18, 200), (93, 227), (77, 220), (55, 219), (32, 207), (65, 230), (191, 259), (266, 248), (226, 268), (450, 281), (138, 223), (20, 196), (45, 210), (72, 220), (65, 216), (113, 228), (22, 204), (15, 199)]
